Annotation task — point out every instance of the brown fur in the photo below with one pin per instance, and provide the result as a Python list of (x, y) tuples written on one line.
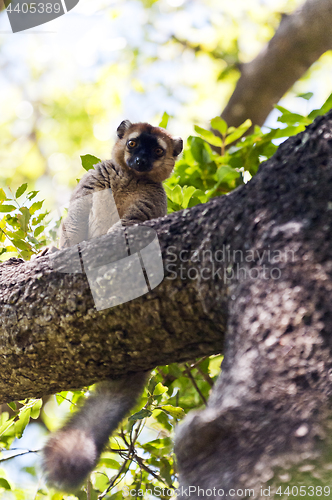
[(138, 196)]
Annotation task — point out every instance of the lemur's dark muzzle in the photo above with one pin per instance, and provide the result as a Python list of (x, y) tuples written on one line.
[(140, 163)]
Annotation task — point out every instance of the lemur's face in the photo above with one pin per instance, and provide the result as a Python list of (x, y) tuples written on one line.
[(146, 150)]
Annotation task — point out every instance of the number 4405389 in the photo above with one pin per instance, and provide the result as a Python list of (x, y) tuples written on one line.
[(33, 8), (310, 491)]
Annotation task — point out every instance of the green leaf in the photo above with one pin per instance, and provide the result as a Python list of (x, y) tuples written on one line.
[(174, 370), (160, 389), (12, 221), (30, 470), (164, 121), (20, 425), (292, 118), (32, 240), (175, 194), (3, 196), (165, 471), (35, 410), (6, 424), (282, 109), (100, 483), (226, 173), (209, 136), (306, 96), (24, 218), (321, 111), (21, 190), (174, 411), (4, 484), (219, 124), (38, 231), (164, 445), (88, 161), (238, 132), (18, 234), (109, 462), (60, 397), (21, 245), (327, 105), (188, 192), (77, 396), (288, 131), (141, 414), (199, 150), (12, 406), (40, 217), (7, 208), (32, 194), (35, 206)]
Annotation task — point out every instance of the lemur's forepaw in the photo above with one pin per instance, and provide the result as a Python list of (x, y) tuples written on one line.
[(116, 227)]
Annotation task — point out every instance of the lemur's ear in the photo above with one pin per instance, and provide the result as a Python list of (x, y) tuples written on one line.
[(177, 145), (125, 125)]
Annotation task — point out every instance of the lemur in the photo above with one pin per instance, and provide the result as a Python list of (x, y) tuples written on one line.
[(143, 157)]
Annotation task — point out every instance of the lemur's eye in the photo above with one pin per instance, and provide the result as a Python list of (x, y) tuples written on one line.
[(159, 151), (131, 143)]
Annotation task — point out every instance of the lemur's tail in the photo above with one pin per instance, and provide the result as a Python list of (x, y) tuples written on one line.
[(73, 451)]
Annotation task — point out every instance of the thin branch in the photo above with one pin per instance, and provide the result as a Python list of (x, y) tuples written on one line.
[(193, 381), (113, 482), (147, 469), (18, 455), (299, 41)]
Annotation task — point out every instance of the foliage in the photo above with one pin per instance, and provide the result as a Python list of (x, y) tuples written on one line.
[(203, 173), (22, 227), (140, 456)]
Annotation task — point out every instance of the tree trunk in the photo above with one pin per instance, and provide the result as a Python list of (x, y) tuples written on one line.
[(259, 259), (267, 424)]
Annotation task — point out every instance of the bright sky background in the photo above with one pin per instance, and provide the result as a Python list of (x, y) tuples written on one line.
[(76, 46)]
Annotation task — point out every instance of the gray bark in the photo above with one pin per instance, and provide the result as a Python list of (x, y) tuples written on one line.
[(268, 417), (53, 338), (300, 40)]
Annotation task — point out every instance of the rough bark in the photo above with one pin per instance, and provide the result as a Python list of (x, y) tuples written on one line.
[(300, 40), (268, 416), (53, 338), (268, 419)]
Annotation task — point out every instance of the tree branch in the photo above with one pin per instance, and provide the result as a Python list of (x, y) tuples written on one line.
[(53, 338), (300, 40)]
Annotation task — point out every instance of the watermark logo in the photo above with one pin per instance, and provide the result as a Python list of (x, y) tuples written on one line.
[(129, 267), (24, 14), (226, 265)]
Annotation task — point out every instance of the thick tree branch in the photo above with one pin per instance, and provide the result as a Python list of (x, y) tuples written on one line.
[(300, 40), (53, 338)]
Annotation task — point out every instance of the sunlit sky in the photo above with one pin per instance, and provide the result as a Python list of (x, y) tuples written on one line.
[(76, 46)]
